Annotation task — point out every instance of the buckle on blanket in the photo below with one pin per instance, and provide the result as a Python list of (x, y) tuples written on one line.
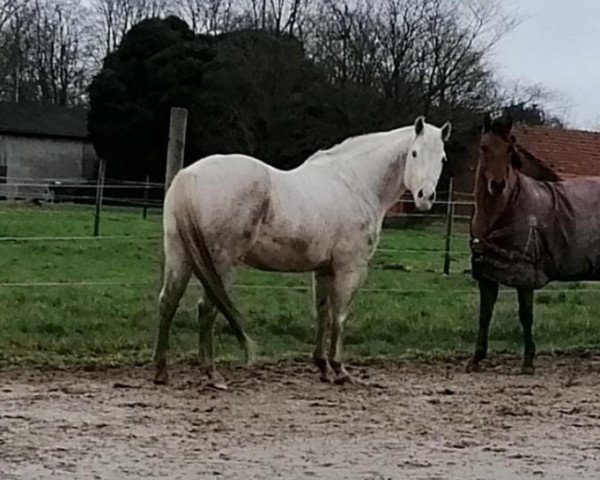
[(477, 245)]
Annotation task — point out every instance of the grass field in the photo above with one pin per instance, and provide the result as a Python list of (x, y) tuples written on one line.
[(109, 324)]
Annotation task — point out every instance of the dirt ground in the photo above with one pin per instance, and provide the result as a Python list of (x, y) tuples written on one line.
[(407, 420)]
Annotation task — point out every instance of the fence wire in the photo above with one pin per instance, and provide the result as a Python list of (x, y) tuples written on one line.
[(134, 238), (301, 288), (73, 181), (90, 238), (77, 238), (84, 186), (54, 185), (57, 200)]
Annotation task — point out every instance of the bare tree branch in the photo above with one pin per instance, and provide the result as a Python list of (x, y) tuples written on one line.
[(9, 8), (116, 17)]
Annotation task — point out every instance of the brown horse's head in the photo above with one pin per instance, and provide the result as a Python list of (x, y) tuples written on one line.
[(497, 155)]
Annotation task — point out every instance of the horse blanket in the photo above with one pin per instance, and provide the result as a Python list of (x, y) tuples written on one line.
[(549, 231)]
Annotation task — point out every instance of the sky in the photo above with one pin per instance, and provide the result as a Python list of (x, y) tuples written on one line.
[(557, 44)]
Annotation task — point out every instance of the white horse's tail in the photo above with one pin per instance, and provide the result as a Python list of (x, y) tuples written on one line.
[(203, 266)]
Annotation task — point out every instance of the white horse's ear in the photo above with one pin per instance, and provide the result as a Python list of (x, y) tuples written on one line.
[(419, 124), (446, 131)]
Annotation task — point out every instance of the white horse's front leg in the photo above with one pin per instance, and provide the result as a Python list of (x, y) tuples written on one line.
[(343, 289), (322, 305)]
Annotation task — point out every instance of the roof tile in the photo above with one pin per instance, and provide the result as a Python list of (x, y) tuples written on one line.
[(568, 152)]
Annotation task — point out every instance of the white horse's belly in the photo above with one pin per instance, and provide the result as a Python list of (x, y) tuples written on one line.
[(287, 254)]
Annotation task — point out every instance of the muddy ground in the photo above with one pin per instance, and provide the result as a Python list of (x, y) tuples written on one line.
[(407, 420)]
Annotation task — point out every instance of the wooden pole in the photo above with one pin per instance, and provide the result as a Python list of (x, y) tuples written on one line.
[(99, 194), (449, 222), (176, 147), (146, 188)]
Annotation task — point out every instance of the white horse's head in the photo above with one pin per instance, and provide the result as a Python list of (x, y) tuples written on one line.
[(424, 161)]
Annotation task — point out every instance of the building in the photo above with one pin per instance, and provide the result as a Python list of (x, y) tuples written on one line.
[(568, 153), (40, 146)]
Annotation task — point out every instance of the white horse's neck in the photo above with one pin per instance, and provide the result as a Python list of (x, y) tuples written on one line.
[(373, 163)]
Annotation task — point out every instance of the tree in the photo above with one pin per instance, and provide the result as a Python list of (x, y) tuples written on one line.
[(246, 91), (128, 122), (208, 16), (116, 17), (59, 66), (275, 16), (278, 79), (531, 104), (258, 89), (428, 57), (15, 21), (531, 114), (399, 32), (44, 56), (9, 8)]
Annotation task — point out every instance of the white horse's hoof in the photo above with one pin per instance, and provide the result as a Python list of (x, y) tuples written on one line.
[(527, 370), (216, 381), (472, 366), (161, 378), (344, 379)]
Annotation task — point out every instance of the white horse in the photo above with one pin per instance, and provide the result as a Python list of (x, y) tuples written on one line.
[(324, 217)]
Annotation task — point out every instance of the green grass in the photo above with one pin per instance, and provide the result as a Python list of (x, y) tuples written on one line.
[(115, 324)]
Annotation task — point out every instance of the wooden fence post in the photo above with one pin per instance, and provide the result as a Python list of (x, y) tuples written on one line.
[(99, 195), (176, 147), (449, 222)]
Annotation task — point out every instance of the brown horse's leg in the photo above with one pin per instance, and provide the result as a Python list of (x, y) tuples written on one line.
[(322, 306), (526, 319), (488, 294)]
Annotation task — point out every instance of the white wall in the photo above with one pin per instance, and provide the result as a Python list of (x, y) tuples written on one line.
[(32, 159)]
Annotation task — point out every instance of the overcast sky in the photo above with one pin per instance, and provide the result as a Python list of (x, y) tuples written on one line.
[(557, 44)]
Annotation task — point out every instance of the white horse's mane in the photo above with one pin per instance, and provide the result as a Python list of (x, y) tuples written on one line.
[(357, 145)]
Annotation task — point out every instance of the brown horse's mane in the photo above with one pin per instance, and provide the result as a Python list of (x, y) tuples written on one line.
[(502, 127)]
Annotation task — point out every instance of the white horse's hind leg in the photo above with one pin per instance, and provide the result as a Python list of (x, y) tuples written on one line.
[(322, 305), (207, 314), (175, 279), (344, 286), (207, 311)]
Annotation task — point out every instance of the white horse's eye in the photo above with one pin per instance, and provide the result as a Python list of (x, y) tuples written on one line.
[(414, 154)]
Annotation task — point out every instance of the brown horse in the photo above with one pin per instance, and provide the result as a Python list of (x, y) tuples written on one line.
[(526, 233)]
